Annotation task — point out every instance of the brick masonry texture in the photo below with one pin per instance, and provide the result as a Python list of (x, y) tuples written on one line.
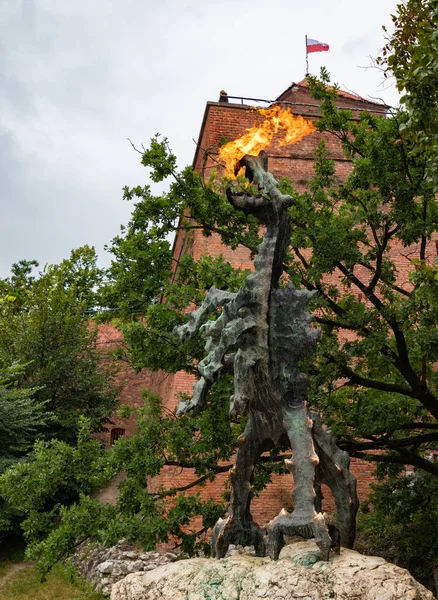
[(228, 121)]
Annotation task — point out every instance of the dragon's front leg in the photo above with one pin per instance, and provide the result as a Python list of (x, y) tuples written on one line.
[(238, 527), (304, 520), (199, 319)]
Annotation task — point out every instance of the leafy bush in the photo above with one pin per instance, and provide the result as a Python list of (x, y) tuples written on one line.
[(400, 518)]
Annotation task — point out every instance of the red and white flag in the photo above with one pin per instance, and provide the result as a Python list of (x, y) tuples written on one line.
[(315, 46)]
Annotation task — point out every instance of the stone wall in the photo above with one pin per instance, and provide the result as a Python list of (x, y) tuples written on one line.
[(103, 567)]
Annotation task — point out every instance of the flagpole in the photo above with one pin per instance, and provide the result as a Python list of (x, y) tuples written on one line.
[(307, 59)]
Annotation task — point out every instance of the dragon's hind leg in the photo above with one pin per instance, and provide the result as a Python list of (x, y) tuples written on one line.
[(334, 471), (238, 527)]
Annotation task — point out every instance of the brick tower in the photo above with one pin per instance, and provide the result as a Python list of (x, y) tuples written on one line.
[(227, 120)]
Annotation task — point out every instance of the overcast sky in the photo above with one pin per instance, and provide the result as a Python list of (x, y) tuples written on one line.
[(79, 77)]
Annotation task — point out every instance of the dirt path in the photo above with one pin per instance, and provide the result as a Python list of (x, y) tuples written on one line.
[(14, 568)]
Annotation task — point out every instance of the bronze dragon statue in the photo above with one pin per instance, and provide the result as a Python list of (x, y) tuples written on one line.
[(261, 334)]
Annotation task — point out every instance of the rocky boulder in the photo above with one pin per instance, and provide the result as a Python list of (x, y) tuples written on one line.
[(102, 567), (298, 574)]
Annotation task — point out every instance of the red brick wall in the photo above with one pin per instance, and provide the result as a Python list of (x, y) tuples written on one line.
[(130, 382), (229, 121)]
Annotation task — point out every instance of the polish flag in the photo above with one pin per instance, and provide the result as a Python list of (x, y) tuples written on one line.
[(315, 46)]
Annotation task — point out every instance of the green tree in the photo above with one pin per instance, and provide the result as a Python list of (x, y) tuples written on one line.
[(17, 287), (397, 519), (21, 420), (81, 274), (21, 416), (411, 58), (355, 230), (60, 512), (45, 325)]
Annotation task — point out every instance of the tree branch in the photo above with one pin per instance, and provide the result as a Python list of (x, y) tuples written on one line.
[(375, 384), (418, 425), (331, 323), (415, 461), (188, 465), (197, 534), (420, 390), (379, 261), (395, 287), (183, 488), (392, 444)]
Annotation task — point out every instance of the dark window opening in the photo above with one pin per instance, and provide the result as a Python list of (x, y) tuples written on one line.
[(116, 433)]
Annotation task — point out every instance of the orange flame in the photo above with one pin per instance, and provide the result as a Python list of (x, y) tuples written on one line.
[(258, 137)]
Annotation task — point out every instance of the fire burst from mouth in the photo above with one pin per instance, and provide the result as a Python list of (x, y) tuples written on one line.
[(257, 138)]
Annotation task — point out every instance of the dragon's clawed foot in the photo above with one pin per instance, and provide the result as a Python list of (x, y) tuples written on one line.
[(326, 535), (228, 531)]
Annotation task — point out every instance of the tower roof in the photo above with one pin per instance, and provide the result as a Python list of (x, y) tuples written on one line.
[(303, 86)]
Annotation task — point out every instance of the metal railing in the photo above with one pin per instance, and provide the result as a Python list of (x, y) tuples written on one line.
[(243, 100)]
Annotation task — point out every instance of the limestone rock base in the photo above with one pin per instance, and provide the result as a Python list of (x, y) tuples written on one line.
[(298, 574)]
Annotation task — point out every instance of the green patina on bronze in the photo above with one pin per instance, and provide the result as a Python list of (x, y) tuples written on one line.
[(260, 336)]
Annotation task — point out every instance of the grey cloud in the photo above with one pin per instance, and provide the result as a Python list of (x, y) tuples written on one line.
[(78, 78)]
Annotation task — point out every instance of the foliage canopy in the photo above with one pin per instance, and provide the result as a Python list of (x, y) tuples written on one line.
[(45, 326), (50, 372)]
